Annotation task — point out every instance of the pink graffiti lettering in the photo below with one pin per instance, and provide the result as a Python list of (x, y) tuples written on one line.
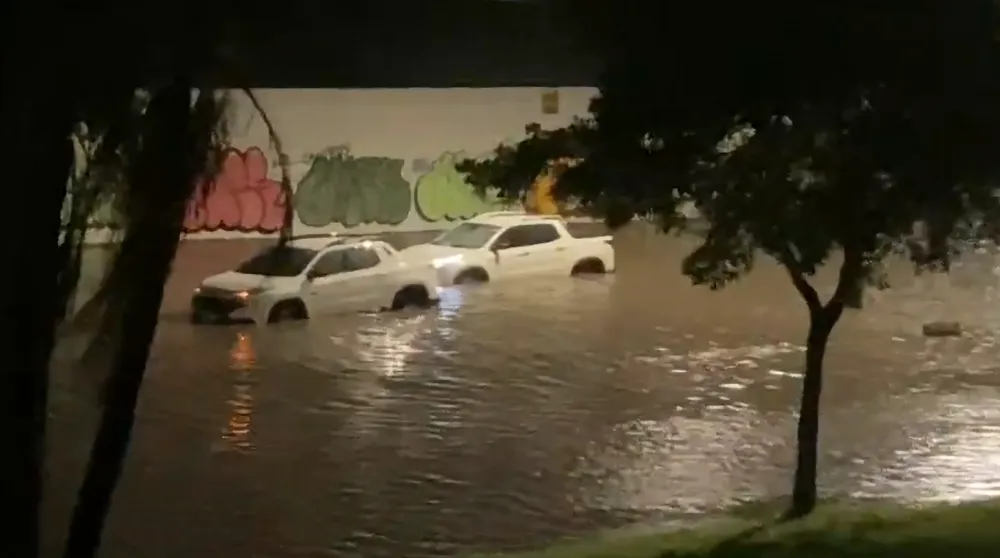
[(242, 198)]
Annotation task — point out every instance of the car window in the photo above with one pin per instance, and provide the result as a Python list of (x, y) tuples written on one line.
[(330, 263), (467, 235), (278, 261), (527, 235), (356, 259), (507, 239), (540, 233)]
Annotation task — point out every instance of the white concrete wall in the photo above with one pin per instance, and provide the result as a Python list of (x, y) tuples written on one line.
[(383, 137)]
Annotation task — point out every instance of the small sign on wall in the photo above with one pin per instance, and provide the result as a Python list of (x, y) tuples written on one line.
[(550, 101)]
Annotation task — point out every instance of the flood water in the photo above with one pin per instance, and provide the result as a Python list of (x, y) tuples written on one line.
[(513, 415)]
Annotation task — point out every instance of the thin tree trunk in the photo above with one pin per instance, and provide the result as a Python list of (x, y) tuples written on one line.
[(287, 193), (804, 492), (822, 319), (166, 174)]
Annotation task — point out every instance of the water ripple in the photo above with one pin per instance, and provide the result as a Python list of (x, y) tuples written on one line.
[(514, 414)]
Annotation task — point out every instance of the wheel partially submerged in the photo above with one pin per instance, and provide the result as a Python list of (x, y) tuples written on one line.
[(411, 296), (588, 266), (199, 317), (287, 310), (472, 276)]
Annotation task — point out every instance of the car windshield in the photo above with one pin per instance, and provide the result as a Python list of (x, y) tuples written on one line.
[(283, 261), (467, 235)]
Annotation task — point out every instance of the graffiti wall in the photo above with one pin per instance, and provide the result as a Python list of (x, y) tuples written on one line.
[(441, 195), (368, 161), (343, 190), (241, 198)]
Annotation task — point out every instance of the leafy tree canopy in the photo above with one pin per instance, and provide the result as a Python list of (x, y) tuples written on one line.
[(797, 130)]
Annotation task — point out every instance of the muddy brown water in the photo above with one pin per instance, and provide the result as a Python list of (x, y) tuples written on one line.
[(513, 415)]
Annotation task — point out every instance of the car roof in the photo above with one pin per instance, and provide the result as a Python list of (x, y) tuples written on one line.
[(314, 241), (365, 241), (323, 241), (510, 218)]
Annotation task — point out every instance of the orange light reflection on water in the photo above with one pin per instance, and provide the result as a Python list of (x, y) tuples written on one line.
[(238, 432)]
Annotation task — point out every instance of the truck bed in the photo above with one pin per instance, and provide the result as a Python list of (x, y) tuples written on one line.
[(587, 230)]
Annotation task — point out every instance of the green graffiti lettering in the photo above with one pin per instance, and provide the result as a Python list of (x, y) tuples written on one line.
[(443, 193), (341, 189)]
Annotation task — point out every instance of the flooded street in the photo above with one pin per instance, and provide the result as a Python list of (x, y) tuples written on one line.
[(515, 414)]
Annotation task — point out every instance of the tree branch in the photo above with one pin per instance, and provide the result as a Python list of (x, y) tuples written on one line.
[(794, 269), (288, 221), (847, 281)]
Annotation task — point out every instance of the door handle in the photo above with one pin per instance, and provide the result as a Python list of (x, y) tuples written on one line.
[(523, 254), (561, 249)]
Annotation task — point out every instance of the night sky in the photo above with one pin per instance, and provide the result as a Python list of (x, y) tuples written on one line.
[(420, 43)]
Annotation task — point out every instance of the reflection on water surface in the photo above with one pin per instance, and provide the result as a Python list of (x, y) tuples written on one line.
[(515, 414)]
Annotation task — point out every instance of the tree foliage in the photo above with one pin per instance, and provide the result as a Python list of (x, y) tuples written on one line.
[(800, 131), (99, 108), (855, 121)]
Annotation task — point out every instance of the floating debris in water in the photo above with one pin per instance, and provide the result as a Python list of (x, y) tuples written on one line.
[(775, 372), (942, 329)]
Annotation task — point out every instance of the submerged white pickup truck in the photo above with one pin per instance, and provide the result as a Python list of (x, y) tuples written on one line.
[(505, 245), (312, 275)]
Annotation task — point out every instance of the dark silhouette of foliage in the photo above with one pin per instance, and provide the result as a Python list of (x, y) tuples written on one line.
[(126, 90), (809, 133)]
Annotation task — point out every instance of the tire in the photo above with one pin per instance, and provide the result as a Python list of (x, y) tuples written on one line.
[(199, 318), (411, 295), (287, 310), (472, 276), (588, 266)]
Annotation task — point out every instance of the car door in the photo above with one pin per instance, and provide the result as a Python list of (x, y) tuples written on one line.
[(546, 254), (525, 249), (508, 259), (365, 279), (325, 289), (348, 279)]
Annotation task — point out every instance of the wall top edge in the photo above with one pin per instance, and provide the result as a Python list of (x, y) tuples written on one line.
[(415, 88)]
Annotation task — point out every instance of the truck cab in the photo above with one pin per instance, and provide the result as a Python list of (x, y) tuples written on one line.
[(506, 245)]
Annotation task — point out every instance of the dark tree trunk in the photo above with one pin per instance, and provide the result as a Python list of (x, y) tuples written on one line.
[(804, 493), (166, 172), (37, 123)]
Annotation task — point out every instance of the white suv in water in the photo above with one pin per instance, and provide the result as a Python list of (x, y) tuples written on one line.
[(508, 244), (314, 275)]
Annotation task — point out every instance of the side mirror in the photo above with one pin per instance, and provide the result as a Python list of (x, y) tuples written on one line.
[(497, 246), (313, 274)]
